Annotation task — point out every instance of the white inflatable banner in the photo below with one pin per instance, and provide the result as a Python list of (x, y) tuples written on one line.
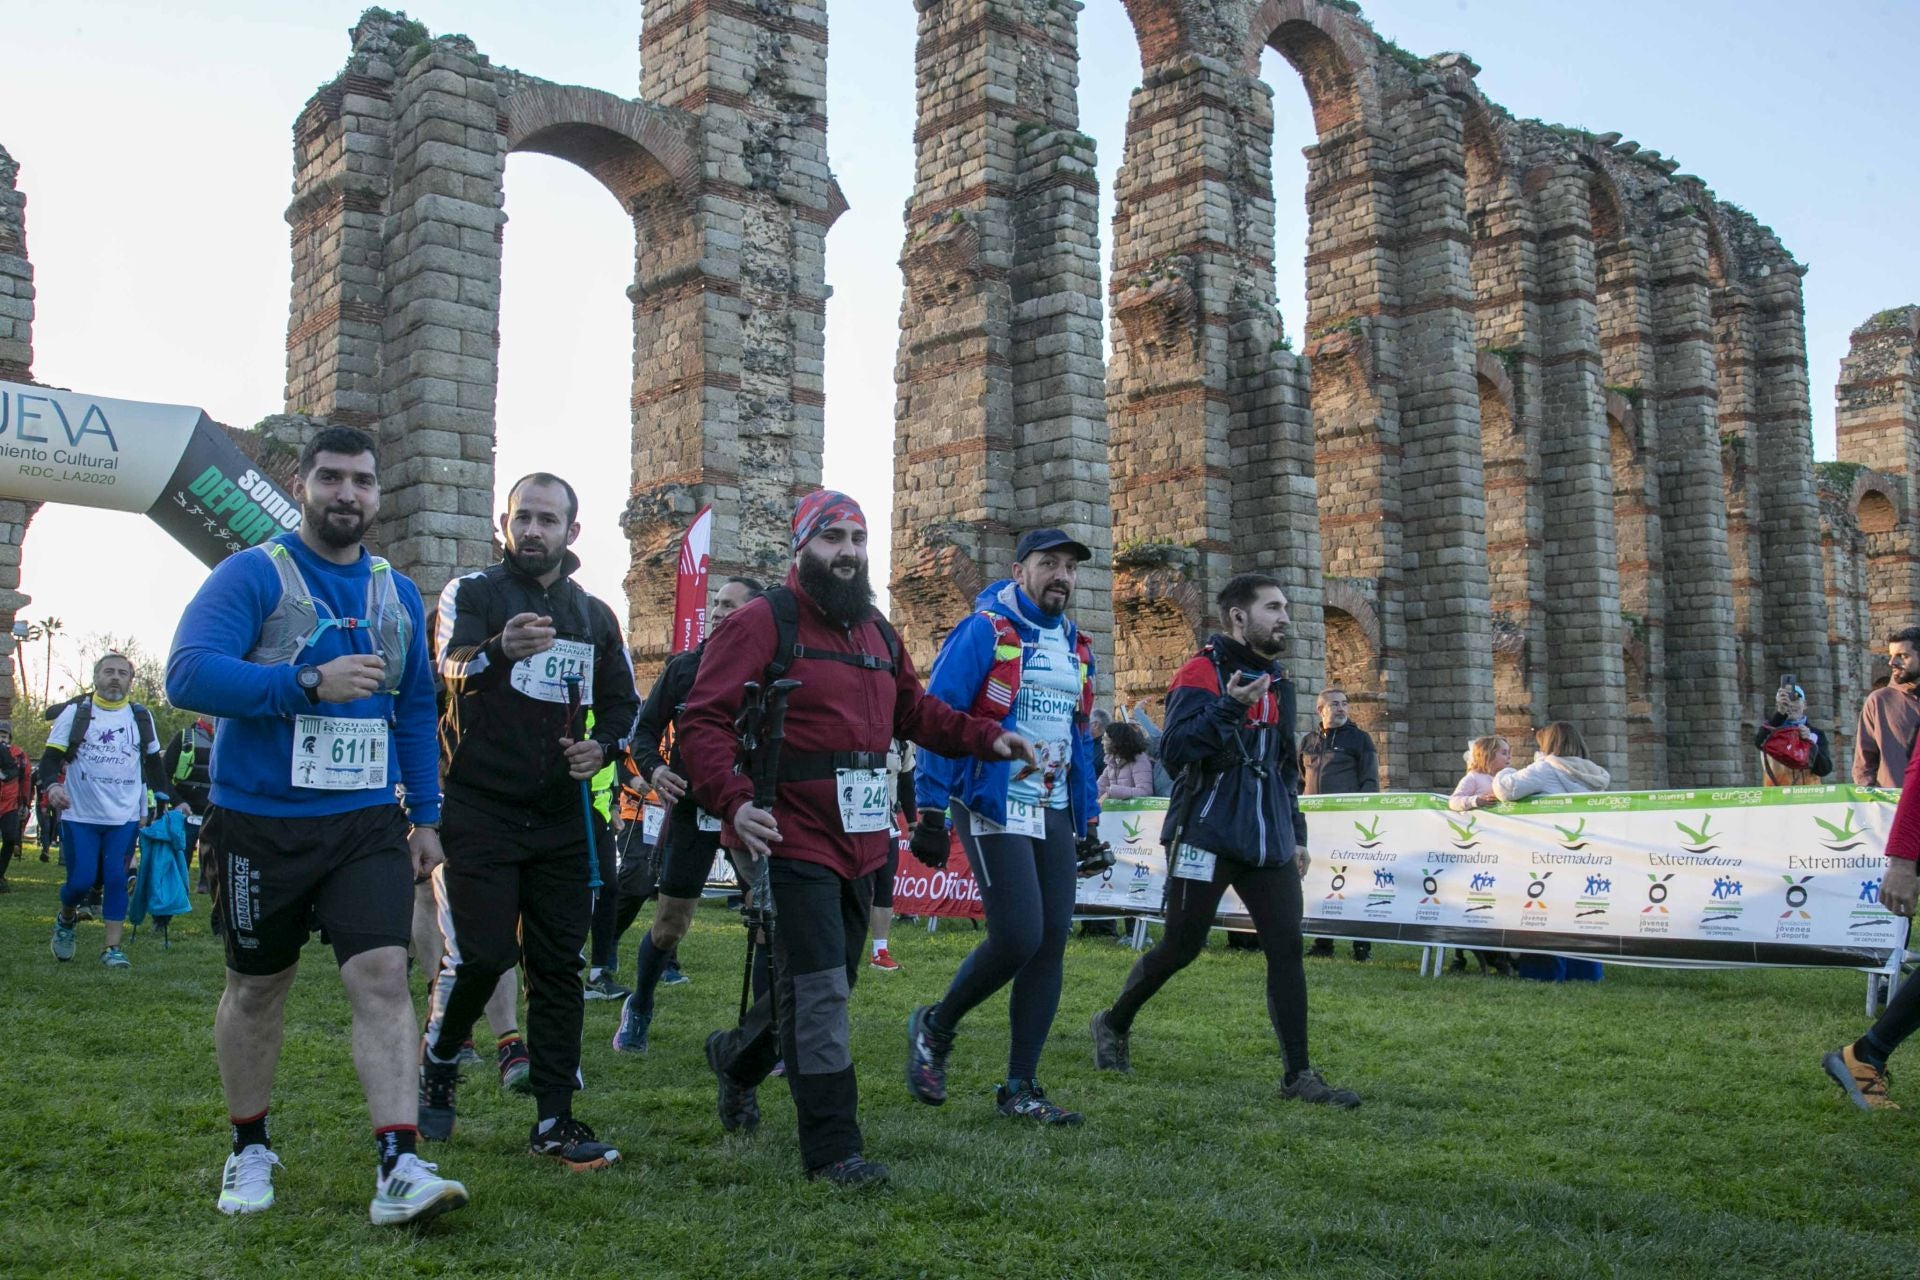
[(1749, 876)]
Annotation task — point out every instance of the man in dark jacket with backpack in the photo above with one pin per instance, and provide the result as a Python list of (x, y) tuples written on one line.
[(1234, 822), (830, 820)]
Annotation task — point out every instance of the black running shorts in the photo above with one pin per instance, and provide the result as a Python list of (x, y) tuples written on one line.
[(349, 874), (688, 857)]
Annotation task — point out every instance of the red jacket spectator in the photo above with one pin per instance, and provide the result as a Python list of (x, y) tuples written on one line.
[(838, 707), (16, 781)]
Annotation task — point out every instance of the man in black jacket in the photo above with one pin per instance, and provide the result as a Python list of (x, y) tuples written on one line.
[(690, 837), (515, 755), (1234, 822), (1336, 759)]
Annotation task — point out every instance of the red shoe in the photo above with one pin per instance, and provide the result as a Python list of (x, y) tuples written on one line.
[(884, 961)]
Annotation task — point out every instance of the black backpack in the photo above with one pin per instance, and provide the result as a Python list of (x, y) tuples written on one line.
[(788, 650), (83, 716)]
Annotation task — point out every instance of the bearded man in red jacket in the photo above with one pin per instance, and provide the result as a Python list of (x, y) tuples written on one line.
[(831, 817)]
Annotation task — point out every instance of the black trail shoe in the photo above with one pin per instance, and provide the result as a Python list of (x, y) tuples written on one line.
[(854, 1171), (573, 1145), (1311, 1086), (439, 1083), (1026, 1100), (927, 1052), (739, 1108), (1110, 1049)]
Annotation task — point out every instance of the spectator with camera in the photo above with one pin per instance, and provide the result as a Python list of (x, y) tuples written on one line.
[(1792, 752)]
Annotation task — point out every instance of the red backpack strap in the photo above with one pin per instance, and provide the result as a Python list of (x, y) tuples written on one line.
[(1083, 652), (1002, 685)]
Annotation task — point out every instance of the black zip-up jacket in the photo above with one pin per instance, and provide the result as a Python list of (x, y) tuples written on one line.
[(500, 744), (657, 714), (1238, 775), (1337, 761)]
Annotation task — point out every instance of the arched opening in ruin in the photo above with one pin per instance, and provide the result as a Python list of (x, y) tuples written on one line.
[(1876, 513), (1154, 634), (1513, 553), (611, 433)]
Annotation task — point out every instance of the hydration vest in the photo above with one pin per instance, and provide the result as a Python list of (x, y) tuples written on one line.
[(295, 624), (1002, 685)]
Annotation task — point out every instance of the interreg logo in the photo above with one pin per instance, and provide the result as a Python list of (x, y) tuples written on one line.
[(1700, 839), (1840, 838), (1465, 834), (1796, 898), (1570, 837), (1369, 835), (1339, 883), (1430, 884), (1656, 894), (1536, 890)]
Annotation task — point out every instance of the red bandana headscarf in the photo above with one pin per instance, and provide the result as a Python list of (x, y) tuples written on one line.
[(819, 509)]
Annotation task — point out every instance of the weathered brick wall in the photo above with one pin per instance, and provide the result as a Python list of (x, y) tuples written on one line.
[(1877, 422), (16, 365), (1000, 421)]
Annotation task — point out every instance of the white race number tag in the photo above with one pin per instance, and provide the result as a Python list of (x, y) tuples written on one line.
[(652, 818), (1023, 819), (704, 821), (544, 675), (866, 800), (338, 754), (1193, 864)]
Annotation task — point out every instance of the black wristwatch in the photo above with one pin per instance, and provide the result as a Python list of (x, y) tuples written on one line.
[(308, 678)]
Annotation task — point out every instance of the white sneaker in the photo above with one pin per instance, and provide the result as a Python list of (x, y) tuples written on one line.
[(247, 1184), (414, 1192)]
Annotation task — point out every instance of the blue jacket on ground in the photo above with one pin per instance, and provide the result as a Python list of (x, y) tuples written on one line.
[(959, 671), (256, 704), (161, 887), (1237, 770)]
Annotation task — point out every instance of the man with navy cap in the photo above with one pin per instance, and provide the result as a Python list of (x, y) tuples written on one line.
[(1017, 659), (831, 816)]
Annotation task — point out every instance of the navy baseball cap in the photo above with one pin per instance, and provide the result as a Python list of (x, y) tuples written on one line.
[(1049, 540)]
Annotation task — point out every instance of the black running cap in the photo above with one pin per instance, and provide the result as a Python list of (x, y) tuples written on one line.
[(1049, 540)]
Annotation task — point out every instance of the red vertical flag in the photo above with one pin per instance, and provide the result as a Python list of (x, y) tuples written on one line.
[(690, 587)]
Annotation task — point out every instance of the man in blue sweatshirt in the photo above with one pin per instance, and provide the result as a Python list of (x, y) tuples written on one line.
[(1021, 661), (312, 654)]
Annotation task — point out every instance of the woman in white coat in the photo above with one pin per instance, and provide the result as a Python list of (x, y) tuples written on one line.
[(1560, 768)]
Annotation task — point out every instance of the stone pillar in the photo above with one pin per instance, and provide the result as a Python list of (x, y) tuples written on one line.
[(439, 345), (1792, 578), (1878, 426), (743, 424), (16, 365), (1850, 638), (1703, 706), (1625, 312), (1733, 324), (1000, 424), (1444, 511), (1586, 680), (341, 176)]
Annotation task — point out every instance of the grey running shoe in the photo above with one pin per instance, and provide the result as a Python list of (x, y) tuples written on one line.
[(413, 1192), (1111, 1051), (115, 958), (1311, 1086), (246, 1185), (605, 988), (1026, 1100), (62, 940), (927, 1051)]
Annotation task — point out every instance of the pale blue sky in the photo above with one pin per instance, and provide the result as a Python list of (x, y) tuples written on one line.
[(155, 147)]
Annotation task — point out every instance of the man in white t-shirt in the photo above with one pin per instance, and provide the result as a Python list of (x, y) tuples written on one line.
[(107, 747)]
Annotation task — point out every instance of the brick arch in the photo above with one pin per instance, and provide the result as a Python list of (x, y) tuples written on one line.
[(1355, 604), (1876, 503), (1606, 211), (1159, 615), (623, 143), (1332, 50), (1623, 418)]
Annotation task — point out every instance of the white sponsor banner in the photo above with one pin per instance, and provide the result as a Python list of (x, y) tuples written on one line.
[(1744, 875), (61, 446)]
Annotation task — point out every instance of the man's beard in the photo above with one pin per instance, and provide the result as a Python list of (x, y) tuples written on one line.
[(1910, 676), (535, 563), (1272, 646), (318, 519), (844, 601), (1052, 603)]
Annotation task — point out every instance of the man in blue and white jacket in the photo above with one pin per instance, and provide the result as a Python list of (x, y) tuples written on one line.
[(312, 654), (1020, 660)]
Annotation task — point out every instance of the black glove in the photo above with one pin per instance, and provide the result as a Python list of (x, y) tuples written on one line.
[(1094, 854), (929, 842)]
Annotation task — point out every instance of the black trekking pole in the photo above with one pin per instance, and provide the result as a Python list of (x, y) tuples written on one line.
[(747, 726), (764, 771)]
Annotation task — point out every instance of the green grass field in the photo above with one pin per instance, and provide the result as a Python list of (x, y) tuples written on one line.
[(1659, 1123)]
